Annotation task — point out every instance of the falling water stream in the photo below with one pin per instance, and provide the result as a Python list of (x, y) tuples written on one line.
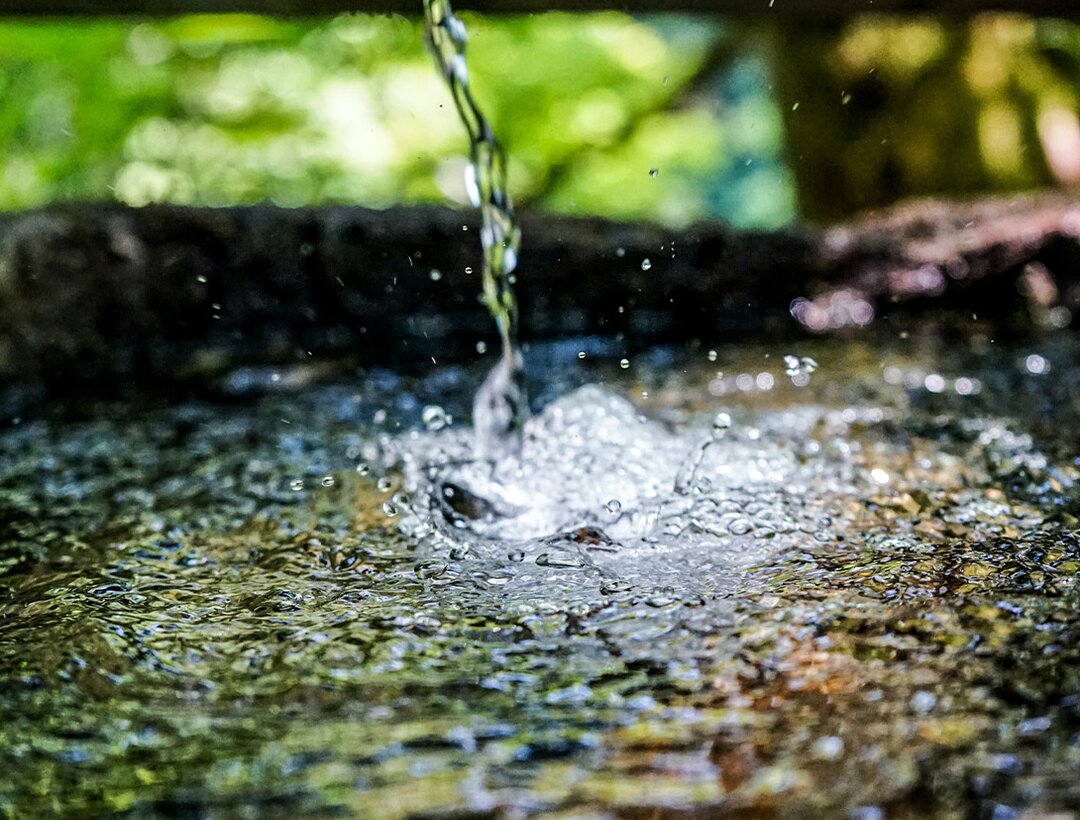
[(501, 405)]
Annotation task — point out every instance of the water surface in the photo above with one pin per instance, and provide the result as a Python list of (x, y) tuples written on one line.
[(862, 599)]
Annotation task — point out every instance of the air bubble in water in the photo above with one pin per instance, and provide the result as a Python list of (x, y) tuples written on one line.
[(653, 172), (390, 508), (481, 348), (646, 264), (434, 418), (613, 507), (468, 271), (384, 484), (327, 481), (436, 274), (296, 485), (712, 356), (362, 468), (624, 363)]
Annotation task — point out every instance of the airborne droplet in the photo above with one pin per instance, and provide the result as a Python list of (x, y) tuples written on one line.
[(721, 423), (434, 418)]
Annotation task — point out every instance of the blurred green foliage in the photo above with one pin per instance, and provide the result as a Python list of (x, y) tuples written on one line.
[(240, 109), (738, 121)]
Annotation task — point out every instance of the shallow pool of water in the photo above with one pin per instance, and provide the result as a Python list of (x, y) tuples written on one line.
[(855, 596)]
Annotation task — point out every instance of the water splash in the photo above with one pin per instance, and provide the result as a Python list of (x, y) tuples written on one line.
[(501, 404)]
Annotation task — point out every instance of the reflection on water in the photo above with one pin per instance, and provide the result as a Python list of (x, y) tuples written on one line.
[(860, 594)]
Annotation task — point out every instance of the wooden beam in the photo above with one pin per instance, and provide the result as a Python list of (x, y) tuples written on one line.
[(105, 294), (807, 9)]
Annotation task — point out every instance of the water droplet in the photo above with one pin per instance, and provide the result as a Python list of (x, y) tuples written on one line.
[(828, 748), (516, 556), (740, 526), (613, 507), (646, 264), (624, 363), (661, 597), (796, 366), (1036, 365), (934, 383), (721, 423), (551, 559), (430, 569), (296, 485), (923, 702), (434, 418), (327, 481), (653, 172), (615, 586)]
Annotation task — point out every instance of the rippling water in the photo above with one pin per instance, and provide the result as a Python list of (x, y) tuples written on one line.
[(858, 593)]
